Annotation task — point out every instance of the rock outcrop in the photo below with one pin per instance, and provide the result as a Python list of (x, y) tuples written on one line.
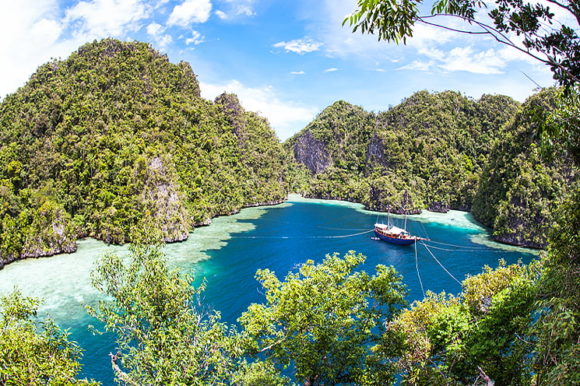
[(163, 203), (312, 153)]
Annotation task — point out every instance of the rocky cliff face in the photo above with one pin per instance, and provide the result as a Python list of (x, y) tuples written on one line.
[(53, 238), (163, 203), (49, 233), (312, 153), (376, 152), (521, 186), (230, 105)]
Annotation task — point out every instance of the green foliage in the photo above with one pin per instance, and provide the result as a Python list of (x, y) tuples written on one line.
[(563, 125), (445, 151), (163, 337), (34, 352), (117, 137), (322, 321), (32, 223), (557, 329), (557, 47), (520, 187), (484, 331), (426, 152)]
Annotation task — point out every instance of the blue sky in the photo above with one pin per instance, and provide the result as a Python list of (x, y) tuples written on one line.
[(286, 59)]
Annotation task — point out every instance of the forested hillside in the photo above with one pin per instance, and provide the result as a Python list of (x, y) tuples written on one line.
[(439, 151), (522, 185), (116, 138)]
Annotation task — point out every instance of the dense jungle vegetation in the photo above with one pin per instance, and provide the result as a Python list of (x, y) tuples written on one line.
[(116, 138), (441, 151), (116, 143)]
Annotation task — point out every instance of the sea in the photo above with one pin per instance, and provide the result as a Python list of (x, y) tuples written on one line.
[(227, 254)]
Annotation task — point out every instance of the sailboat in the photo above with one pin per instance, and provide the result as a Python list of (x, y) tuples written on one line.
[(395, 235)]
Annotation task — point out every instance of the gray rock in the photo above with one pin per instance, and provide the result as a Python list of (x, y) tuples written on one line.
[(312, 153)]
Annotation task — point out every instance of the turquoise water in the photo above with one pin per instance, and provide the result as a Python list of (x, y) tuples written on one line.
[(229, 252)]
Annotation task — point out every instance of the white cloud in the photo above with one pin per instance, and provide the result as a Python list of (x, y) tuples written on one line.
[(164, 40), (286, 117), (430, 48), (340, 41), (155, 29), (332, 69), (98, 18), (31, 31), (417, 65), (221, 14), (43, 29), (156, 32), (195, 39), (465, 59), (235, 8), (189, 12), (297, 72), (426, 35), (299, 46)]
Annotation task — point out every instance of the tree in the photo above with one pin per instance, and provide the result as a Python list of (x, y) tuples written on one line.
[(34, 352), (557, 352), (162, 336), (542, 36), (481, 334), (323, 321)]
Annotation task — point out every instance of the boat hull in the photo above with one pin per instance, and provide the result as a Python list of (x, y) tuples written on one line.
[(394, 240)]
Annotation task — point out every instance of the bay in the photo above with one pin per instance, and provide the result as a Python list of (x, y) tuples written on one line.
[(229, 251)]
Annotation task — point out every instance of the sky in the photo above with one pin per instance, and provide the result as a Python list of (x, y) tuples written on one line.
[(285, 59)]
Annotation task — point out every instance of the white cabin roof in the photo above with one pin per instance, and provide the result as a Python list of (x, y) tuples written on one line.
[(397, 230), (391, 229)]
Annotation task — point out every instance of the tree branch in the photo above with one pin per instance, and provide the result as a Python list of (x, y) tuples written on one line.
[(566, 7), (123, 376), (485, 377), (497, 35), (273, 344), (421, 19)]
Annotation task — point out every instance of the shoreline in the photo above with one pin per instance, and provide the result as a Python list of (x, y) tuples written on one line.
[(454, 218), (203, 224), (64, 299), (61, 295)]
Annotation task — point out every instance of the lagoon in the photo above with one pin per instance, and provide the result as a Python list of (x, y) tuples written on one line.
[(229, 251)]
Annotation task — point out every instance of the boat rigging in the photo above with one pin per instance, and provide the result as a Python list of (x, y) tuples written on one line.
[(395, 235)]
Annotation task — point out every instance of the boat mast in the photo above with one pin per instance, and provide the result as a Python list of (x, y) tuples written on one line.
[(405, 199)]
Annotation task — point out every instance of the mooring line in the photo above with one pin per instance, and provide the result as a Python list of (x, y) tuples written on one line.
[(459, 246), (491, 250), (288, 237), (417, 268), (438, 262)]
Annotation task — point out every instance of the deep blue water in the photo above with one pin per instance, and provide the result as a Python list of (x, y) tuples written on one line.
[(285, 237)]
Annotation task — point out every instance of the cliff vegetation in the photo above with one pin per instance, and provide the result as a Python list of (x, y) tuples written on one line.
[(441, 151), (116, 138)]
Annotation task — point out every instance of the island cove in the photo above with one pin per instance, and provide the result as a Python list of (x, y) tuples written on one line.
[(135, 146), (453, 218), (206, 237), (63, 281), (227, 253)]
